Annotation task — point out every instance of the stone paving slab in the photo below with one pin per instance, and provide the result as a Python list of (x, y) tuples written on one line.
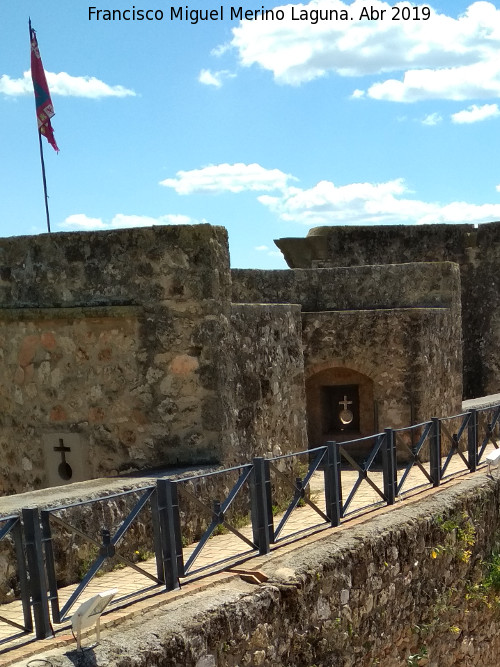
[(226, 548)]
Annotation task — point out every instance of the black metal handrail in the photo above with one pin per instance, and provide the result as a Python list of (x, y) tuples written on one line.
[(381, 446), (33, 535), (218, 517), (454, 438), (299, 487), (252, 477), (106, 548)]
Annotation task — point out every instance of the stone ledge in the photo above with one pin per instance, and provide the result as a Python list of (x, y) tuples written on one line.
[(67, 311), (91, 490)]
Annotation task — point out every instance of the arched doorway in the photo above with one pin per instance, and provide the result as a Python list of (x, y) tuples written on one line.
[(340, 405)]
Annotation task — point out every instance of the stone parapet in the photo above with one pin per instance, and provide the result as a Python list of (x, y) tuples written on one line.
[(415, 285), (170, 263)]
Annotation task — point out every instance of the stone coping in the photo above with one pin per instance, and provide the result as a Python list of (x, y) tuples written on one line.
[(93, 489), (404, 309), (482, 402), (8, 313)]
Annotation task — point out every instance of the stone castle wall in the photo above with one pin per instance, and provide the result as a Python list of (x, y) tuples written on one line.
[(400, 351), (267, 381), (396, 327), (121, 351), (476, 250)]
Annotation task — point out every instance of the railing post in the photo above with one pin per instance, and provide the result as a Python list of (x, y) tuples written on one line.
[(435, 451), (261, 505), (472, 440), (36, 569), (170, 531), (333, 486), (17, 536), (107, 549), (299, 489), (50, 566), (389, 466), (155, 522), (218, 514)]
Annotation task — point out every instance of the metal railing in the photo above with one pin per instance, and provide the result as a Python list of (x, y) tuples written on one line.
[(216, 513), (298, 484), (41, 534), (382, 447), (459, 436), (487, 429), (391, 464), (416, 442), (10, 526)]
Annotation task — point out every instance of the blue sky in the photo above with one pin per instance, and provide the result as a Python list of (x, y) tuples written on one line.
[(267, 127)]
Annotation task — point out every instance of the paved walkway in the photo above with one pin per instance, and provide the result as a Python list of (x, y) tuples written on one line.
[(227, 549)]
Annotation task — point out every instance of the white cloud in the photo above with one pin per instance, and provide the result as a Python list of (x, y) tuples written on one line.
[(358, 94), (14, 87), (220, 49), (432, 119), (325, 203), (475, 113), (63, 84), (270, 253), (82, 222), (443, 57), (480, 80), (368, 204), (216, 79), (228, 178)]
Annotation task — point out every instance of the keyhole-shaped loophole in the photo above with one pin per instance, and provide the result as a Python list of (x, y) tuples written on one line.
[(64, 469)]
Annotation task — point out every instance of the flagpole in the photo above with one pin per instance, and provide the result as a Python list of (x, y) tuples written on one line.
[(44, 181), (42, 160)]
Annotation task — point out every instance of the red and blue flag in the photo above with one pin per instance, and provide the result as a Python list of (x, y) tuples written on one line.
[(44, 108)]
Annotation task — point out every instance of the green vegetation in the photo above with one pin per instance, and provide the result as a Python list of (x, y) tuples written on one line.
[(491, 581), (460, 537), (86, 562), (414, 660), (141, 555), (237, 521)]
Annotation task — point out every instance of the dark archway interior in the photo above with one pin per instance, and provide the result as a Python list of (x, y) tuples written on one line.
[(340, 408)]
